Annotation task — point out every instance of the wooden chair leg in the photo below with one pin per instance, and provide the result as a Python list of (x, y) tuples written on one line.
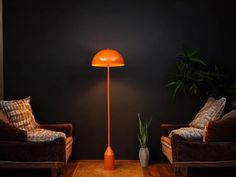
[(55, 172), (177, 171), (181, 171), (184, 172)]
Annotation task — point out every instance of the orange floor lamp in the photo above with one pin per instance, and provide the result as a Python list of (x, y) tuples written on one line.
[(108, 58)]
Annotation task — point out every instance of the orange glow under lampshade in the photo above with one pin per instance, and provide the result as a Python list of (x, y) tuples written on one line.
[(108, 58)]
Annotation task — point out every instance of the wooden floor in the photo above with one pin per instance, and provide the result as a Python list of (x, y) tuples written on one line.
[(155, 169), (123, 168)]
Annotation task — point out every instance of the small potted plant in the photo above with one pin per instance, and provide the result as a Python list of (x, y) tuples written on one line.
[(143, 137), (193, 74)]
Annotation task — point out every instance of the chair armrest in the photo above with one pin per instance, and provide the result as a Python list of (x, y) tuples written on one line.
[(10, 133), (65, 128), (167, 128), (197, 150), (213, 131)]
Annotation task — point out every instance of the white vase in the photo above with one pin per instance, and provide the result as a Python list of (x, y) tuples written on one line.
[(144, 157)]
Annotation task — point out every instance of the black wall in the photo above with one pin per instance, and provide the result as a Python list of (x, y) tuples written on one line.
[(48, 47)]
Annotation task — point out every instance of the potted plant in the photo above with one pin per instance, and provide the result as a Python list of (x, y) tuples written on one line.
[(143, 137), (194, 73)]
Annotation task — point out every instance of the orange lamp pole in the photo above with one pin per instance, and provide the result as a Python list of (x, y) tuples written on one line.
[(109, 157), (108, 58), (108, 108)]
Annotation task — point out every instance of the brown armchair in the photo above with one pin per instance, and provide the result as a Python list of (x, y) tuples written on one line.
[(184, 153), (17, 152)]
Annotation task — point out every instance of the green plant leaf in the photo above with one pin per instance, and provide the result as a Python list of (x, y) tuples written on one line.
[(171, 84), (198, 60), (177, 87), (140, 141), (194, 88), (194, 53), (193, 73), (143, 134), (187, 52)]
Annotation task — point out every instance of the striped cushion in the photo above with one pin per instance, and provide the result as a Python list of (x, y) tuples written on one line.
[(211, 112), (42, 135), (188, 133), (209, 102), (19, 113)]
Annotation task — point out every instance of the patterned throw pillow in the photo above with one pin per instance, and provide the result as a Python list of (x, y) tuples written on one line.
[(19, 113), (43, 135), (210, 100), (187, 133), (212, 111)]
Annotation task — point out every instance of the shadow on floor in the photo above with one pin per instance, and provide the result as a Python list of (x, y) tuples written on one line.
[(68, 171), (25, 172), (212, 172), (155, 169)]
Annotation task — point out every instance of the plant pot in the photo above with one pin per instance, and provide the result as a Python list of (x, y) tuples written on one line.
[(144, 157)]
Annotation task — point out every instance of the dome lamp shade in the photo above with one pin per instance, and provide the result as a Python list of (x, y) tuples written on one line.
[(108, 58)]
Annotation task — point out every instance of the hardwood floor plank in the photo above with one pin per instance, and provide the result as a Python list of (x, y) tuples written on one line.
[(69, 170), (165, 170), (155, 169), (95, 168), (151, 171)]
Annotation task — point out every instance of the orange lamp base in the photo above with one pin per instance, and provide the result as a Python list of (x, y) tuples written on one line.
[(109, 159)]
